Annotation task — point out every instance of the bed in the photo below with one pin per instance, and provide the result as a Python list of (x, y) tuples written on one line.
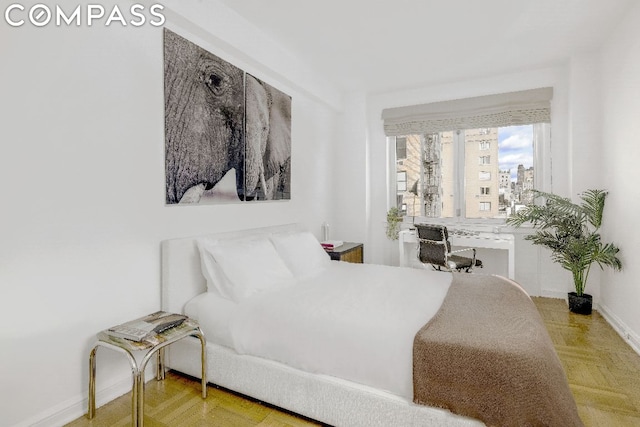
[(348, 344)]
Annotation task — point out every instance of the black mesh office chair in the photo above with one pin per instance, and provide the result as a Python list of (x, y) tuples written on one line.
[(434, 248)]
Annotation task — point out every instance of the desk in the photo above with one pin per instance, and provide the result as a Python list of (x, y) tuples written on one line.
[(408, 244)]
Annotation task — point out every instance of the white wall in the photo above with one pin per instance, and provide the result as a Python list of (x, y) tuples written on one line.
[(82, 175), (621, 150), (348, 174)]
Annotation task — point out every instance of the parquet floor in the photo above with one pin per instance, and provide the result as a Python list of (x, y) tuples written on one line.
[(603, 372), (177, 402)]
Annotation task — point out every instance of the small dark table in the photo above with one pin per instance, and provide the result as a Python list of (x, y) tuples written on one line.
[(348, 251)]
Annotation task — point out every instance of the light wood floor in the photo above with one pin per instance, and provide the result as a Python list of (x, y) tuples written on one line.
[(603, 373)]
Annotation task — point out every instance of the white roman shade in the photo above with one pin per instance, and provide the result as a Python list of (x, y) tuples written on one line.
[(504, 109)]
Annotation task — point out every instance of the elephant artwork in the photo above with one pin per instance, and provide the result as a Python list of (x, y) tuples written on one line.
[(267, 142), (227, 134)]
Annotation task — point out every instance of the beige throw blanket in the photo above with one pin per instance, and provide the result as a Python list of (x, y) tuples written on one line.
[(486, 354)]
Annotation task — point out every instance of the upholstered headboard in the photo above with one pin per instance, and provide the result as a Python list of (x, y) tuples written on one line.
[(182, 277)]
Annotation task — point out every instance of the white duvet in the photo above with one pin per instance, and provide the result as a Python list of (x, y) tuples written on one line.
[(352, 321)]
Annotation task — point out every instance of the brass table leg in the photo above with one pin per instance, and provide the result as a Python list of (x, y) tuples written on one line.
[(160, 370), (203, 344), (92, 383), (135, 373)]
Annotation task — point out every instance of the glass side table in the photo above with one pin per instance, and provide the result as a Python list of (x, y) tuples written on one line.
[(153, 344)]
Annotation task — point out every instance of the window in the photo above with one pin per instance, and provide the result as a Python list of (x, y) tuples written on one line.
[(493, 147), (485, 206), (402, 182), (450, 170), (401, 148)]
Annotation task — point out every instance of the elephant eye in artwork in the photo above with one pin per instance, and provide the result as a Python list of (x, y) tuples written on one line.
[(215, 79)]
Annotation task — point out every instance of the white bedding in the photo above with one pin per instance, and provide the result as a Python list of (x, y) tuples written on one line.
[(351, 321)]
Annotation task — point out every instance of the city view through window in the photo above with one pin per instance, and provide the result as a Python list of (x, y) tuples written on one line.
[(475, 173)]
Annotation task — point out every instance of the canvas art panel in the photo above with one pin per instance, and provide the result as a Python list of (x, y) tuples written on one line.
[(227, 133), (267, 141)]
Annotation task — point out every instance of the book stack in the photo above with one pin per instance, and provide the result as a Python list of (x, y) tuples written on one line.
[(140, 329), (331, 244)]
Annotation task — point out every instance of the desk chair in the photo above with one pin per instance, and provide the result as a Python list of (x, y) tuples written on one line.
[(434, 248)]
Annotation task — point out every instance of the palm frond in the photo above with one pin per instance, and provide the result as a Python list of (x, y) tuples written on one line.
[(607, 255), (555, 209), (563, 205), (593, 206)]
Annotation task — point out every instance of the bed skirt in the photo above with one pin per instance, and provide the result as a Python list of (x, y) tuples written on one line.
[(324, 398)]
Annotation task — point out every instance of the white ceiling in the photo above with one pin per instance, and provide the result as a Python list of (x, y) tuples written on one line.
[(383, 45)]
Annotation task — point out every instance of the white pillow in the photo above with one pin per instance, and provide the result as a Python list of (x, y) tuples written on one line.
[(302, 253), (248, 267), (217, 282)]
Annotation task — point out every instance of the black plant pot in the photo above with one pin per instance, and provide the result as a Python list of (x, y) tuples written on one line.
[(580, 304)]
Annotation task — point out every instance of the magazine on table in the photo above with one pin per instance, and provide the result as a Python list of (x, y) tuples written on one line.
[(331, 244), (155, 323)]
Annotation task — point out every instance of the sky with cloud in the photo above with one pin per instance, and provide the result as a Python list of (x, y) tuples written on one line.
[(515, 147)]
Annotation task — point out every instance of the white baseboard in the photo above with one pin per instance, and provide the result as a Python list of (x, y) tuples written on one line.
[(621, 328), (75, 408)]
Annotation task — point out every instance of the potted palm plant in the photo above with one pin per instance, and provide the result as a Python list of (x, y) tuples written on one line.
[(571, 231)]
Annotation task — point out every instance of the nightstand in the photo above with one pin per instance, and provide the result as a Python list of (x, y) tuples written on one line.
[(152, 344), (348, 251)]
